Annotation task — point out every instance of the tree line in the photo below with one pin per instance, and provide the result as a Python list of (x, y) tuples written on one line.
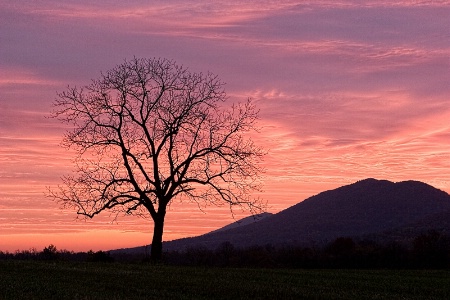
[(429, 250), (51, 253)]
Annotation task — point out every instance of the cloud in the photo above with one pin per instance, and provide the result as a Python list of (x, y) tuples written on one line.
[(350, 116)]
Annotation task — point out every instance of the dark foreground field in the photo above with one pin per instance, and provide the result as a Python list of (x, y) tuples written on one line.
[(65, 280)]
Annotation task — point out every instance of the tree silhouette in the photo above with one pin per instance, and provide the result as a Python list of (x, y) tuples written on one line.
[(50, 252), (149, 131)]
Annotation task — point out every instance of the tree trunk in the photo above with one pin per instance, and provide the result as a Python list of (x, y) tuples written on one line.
[(156, 249)]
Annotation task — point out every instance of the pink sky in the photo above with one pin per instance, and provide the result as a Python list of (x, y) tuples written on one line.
[(347, 90)]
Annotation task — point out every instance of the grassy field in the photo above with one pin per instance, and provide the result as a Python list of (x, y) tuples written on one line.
[(65, 280)]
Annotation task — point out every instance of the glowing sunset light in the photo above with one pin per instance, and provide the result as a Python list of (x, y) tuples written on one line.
[(346, 91)]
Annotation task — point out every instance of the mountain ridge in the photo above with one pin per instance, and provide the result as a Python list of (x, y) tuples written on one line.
[(368, 207)]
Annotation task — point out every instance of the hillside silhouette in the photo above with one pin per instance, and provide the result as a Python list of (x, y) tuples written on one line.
[(376, 209)]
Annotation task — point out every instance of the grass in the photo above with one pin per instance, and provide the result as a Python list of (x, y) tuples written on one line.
[(66, 280)]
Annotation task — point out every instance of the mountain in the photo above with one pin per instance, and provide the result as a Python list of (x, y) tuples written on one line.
[(244, 222), (367, 208)]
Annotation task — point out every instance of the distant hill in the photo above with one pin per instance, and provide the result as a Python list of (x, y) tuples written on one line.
[(244, 222), (368, 208)]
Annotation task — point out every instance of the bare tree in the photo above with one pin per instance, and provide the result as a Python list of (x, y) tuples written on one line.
[(149, 131)]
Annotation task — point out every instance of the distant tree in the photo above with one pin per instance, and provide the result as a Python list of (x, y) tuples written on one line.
[(225, 252), (342, 246), (50, 252), (432, 249), (99, 256), (149, 131)]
